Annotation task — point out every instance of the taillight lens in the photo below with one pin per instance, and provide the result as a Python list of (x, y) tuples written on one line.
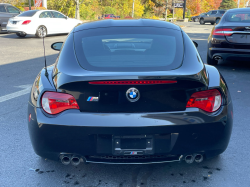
[(209, 100), (222, 32), (54, 102), (26, 22)]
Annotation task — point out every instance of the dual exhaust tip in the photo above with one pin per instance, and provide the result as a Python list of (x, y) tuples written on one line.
[(217, 57), (196, 157), (66, 159)]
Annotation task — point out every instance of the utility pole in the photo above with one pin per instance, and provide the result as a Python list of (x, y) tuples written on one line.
[(29, 4), (238, 3), (184, 8), (173, 9), (77, 16), (133, 8), (166, 15)]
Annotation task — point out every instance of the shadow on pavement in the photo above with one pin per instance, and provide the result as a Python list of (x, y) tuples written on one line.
[(167, 174)]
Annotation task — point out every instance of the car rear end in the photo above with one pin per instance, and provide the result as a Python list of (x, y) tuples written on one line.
[(24, 23), (126, 104), (229, 40)]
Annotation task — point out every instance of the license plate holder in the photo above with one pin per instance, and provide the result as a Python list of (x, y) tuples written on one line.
[(133, 145)]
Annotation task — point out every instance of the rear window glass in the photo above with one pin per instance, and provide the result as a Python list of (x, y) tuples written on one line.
[(28, 13), (238, 17), (221, 12), (129, 49)]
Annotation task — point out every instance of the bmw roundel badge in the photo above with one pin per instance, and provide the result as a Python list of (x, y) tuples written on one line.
[(133, 94)]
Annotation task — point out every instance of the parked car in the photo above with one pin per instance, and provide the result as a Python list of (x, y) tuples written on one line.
[(229, 40), (109, 16), (41, 23), (212, 17), (132, 91), (197, 18), (7, 11)]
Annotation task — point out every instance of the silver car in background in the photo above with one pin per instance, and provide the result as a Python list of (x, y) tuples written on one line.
[(7, 11)]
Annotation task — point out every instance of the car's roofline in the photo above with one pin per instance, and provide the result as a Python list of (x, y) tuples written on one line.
[(126, 23), (238, 9)]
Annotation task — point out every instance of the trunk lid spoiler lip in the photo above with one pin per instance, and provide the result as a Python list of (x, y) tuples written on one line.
[(60, 78)]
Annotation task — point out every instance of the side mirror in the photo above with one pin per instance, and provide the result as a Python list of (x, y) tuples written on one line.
[(66, 17), (195, 43), (57, 46)]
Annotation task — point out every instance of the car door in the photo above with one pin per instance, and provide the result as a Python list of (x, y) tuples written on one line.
[(46, 19), (213, 16), (62, 23), (3, 17), (207, 16)]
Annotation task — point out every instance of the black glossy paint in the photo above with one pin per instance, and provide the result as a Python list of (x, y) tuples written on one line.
[(235, 47), (90, 130)]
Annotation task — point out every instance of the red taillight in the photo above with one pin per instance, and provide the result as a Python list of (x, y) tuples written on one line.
[(209, 100), (222, 32), (54, 102), (26, 22), (134, 82)]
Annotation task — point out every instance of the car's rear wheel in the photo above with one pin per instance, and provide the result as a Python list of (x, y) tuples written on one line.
[(22, 35), (211, 61), (41, 31), (217, 20), (202, 22), (212, 23)]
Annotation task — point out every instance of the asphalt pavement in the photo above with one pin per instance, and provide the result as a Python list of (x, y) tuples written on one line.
[(21, 59)]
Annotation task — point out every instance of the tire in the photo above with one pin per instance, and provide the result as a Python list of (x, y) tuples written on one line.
[(20, 35), (196, 20), (217, 20), (211, 61), (41, 31), (202, 22), (212, 23)]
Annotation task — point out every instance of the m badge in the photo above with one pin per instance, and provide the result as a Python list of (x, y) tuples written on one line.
[(93, 99)]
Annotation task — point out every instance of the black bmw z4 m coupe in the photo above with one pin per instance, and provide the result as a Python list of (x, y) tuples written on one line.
[(129, 92), (230, 39)]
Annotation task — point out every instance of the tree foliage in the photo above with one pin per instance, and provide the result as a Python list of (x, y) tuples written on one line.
[(92, 9), (228, 4)]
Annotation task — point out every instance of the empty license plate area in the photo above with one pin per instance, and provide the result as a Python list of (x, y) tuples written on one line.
[(133, 145)]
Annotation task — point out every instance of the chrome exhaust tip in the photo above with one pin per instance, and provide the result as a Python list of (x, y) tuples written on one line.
[(217, 57), (65, 159), (75, 160), (189, 159), (198, 158)]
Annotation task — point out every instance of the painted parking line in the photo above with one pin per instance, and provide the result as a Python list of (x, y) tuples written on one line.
[(7, 97)]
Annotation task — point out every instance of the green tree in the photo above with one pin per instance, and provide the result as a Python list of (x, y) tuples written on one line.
[(228, 4)]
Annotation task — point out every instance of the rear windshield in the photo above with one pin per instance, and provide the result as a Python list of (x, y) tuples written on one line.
[(129, 49), (238, 17), (28, 13)]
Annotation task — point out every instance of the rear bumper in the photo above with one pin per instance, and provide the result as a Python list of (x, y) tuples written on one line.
[(230, 53), (20, 28), (92, 135)]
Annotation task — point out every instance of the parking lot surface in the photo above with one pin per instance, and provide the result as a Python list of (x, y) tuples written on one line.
[(21, 59)]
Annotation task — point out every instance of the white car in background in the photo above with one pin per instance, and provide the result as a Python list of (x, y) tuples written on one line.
[(41, 23)]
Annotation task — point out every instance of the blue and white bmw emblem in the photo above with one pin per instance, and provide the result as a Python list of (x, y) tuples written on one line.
[(133, 94)]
